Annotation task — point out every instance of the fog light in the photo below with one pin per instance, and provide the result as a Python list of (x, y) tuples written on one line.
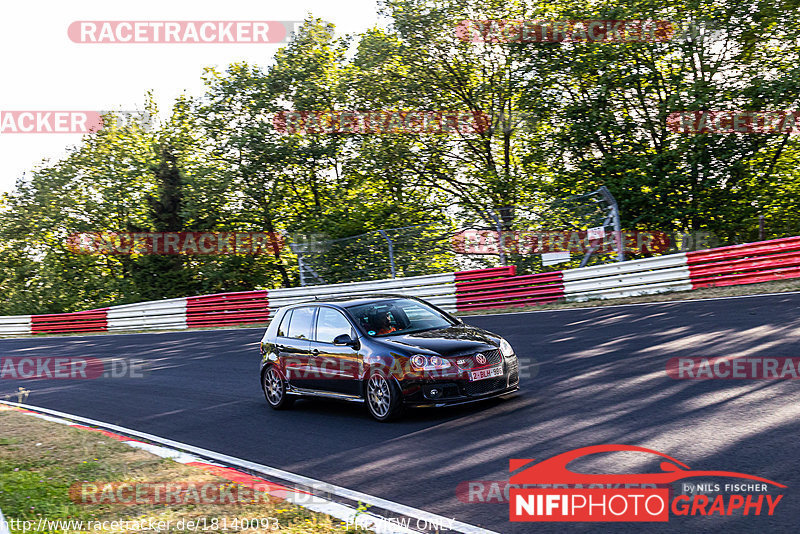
[(439, 391)]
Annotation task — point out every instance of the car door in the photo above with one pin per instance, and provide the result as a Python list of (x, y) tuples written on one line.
[(336, 367), (294, 335)]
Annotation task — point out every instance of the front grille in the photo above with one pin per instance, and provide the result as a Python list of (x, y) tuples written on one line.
[(493, 358), (485, 386)]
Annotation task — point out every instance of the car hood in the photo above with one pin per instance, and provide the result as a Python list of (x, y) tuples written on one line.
[(448, 342)]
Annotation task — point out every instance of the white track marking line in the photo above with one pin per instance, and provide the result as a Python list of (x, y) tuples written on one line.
[(363, 520), (401, 509), (164, 452)]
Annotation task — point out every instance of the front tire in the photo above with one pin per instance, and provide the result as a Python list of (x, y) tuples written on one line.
[(274, 387), (383, 398)]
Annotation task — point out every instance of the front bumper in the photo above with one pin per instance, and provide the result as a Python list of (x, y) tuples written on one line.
[(448, 391), (455, 401)]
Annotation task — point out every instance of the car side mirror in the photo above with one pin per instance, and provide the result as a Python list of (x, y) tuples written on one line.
[(344, 340)]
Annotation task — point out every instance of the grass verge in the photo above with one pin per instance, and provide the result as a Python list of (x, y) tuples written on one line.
[(41, 460)]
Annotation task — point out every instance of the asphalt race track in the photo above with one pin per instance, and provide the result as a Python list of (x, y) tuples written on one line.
[(595, 376)]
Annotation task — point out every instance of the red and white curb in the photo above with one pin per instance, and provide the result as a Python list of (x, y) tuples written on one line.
[(408, 521)]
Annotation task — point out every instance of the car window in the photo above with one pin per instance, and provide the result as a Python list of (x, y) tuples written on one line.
[(283, 329), (397, 316), (301, 323), (418, 314), (330, 324)]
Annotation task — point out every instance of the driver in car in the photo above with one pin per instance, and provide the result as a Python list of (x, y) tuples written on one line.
[(383, 324)]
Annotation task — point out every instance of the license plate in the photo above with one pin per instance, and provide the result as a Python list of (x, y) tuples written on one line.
[(486, 373)]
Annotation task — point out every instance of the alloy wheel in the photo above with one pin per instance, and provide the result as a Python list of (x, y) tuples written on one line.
[(273, 387), (379, 396)]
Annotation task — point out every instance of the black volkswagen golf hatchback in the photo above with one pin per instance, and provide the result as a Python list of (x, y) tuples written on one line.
[(386, 351)]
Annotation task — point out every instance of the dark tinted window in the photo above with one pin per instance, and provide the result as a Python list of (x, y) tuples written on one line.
[(402, 316), (302, 322), (331, 323), (283, 329)]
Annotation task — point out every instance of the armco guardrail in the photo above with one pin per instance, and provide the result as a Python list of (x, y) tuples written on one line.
[(475, 290), (628, 279), (745, 264), (12, 325), (227, 309), (157, 315), (459, 291), (438, 289), (85, 321), (482, 274)]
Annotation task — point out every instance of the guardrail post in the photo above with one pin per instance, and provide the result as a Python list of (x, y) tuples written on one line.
[(301, 268), (391, 252), (615, 218), (500, 245)]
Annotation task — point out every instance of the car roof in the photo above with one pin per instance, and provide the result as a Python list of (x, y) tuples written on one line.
[(349, 300)]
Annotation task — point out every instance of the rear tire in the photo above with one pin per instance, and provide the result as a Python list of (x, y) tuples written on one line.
[(383, 398), (274, 387)]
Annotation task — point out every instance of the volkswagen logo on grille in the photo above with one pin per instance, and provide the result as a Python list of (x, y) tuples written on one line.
[(480, 358)]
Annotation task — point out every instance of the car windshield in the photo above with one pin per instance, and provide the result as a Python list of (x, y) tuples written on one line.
[(397, 316)]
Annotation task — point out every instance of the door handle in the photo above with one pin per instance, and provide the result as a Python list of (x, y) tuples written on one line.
[(315, 352)]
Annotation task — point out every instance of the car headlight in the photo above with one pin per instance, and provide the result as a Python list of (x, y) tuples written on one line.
[(505, 348), (428, 363)]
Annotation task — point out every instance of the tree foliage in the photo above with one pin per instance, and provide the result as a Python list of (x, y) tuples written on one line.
[(563, 119)]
